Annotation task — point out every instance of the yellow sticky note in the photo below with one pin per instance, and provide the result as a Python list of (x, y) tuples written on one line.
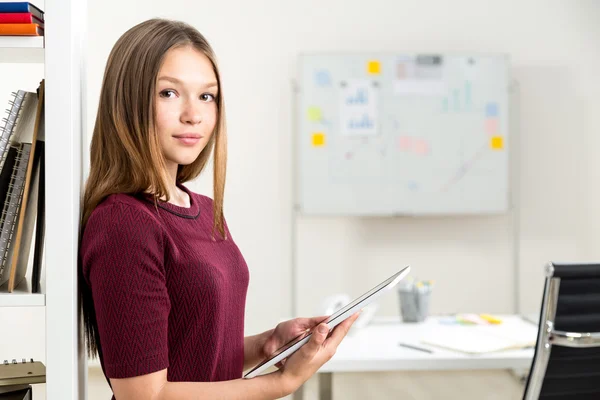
[(314, 114), (497, 142), (374, 67), (318, 139)]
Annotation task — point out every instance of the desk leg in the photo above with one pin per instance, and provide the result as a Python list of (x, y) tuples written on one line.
[(325, 386)]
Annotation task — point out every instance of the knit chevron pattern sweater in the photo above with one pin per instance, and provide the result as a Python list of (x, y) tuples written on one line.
[(167, 294)]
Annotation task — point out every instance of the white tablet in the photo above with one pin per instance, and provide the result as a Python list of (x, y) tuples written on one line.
[(336, 318)]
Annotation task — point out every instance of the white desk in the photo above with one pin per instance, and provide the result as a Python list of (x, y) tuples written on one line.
[(375, 348)]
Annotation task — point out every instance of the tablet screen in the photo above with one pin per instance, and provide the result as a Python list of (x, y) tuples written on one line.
[(362, 298)]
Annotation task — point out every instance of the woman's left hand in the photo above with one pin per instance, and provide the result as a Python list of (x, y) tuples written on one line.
[(286, 331)]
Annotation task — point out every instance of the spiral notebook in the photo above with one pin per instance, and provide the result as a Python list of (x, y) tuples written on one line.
[(22, 178), (22, 372), (8, 130), (21, 246), (6, 173), (10, 211)]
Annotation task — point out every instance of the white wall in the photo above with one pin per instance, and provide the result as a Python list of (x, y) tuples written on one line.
[(553, 45), (554, 59)]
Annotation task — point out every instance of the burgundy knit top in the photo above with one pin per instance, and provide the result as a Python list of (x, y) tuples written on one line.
[(167, 293)]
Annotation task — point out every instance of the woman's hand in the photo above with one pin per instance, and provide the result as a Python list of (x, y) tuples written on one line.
[(301, 365), (286, 331)]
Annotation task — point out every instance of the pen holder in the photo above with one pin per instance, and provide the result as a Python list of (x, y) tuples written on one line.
[(414, 302)]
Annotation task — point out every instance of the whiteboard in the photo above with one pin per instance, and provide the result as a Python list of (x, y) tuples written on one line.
[(393, 134)]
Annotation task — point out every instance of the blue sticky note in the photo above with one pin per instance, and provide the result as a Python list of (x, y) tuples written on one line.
[(491, 110), (322, 78)]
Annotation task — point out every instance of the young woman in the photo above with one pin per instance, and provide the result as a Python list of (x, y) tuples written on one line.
[(163, 283)]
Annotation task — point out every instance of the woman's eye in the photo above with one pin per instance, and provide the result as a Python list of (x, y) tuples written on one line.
[(168, 93), (207, 97)]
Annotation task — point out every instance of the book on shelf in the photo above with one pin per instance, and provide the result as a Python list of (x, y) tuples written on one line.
[(9, 123), (21, 372), (15, 392), (40, 226), (22, 180), (22, 7), (21, 19), (11, 208), (21, 30)]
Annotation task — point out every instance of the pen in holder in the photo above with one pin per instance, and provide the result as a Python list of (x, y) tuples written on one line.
[(414, 299)]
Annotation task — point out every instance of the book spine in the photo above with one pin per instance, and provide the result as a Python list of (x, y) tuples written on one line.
[(12, 206), (9, 124), (18, 18), (14, 7), (21, 30)]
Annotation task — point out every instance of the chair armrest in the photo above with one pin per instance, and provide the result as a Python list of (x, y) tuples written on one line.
[(574, 339)]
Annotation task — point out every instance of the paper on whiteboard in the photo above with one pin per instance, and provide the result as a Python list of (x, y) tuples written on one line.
[(420, 75), (358, 109)]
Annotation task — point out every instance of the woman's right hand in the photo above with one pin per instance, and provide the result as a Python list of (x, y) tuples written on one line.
[(301, 365)]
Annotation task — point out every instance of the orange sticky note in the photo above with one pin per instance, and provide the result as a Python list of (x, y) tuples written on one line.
[(318, 139), (497, 143), (374, 67)]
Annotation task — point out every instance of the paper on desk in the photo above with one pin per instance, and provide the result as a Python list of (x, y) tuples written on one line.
[(480, 339)]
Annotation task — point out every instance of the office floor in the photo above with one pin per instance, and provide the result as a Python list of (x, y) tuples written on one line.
[(447, 385), (459, 385)]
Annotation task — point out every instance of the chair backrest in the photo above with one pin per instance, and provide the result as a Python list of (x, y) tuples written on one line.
[(566, 364)]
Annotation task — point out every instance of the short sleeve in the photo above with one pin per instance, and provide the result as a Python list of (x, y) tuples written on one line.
[(123, 262)]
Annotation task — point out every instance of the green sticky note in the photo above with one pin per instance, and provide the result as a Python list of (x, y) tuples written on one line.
[(314, 114)]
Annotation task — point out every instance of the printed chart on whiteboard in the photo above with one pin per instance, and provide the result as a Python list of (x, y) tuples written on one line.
[(393, 134)]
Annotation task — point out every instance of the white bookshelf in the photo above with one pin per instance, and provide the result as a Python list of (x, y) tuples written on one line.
[(22, 296), (19, 42), (22, 49), (65, 30), (61, 52)]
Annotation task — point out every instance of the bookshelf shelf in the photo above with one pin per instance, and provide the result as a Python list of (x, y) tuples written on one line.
[(20, 42), (19, 49), (21, 296)]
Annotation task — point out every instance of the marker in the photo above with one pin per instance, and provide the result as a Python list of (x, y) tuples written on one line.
[(410, 346), (491, 319)]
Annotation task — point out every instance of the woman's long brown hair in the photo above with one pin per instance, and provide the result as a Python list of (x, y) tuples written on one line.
[(125, 155)]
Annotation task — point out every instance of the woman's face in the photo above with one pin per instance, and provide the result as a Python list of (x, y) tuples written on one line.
[(186, 108)]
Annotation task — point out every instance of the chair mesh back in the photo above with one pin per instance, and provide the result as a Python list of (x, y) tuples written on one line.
[(574, 373)]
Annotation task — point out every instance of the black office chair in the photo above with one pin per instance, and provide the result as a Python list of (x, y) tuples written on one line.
[(566, 364)]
